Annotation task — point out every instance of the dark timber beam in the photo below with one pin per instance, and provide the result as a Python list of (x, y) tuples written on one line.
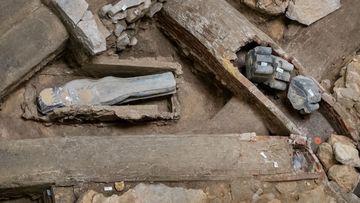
[(70, 160)]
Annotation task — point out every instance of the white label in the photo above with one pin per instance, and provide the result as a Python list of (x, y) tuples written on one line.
[(280, 70), (264, 64), (276, 165), (108, 189)]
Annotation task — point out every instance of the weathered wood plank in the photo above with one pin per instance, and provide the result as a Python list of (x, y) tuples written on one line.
[(70, 160), (214, 31)]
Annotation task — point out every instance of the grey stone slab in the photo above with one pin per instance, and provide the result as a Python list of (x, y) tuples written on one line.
[(27, 44), (89, 34), (71, 10), (310, 11), (70, 160)]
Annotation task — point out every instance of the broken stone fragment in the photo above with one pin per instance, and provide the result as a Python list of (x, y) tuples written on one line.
[(346, 154), (119, 28), (122, 41), (309, 11), (89, 34), (106, 91), (122, 5), (154, 9), (326, 155), (345, 176), (270, 7)]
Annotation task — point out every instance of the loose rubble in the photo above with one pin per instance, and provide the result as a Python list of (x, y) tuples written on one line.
[(344, 151), (347, 90), (125, 15)]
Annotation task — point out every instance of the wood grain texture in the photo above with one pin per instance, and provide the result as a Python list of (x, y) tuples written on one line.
[(70, 160)]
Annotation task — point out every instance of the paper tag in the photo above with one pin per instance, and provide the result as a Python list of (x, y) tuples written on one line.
[(276, 165), (280, 70)]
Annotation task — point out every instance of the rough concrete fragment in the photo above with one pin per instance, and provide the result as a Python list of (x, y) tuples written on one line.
[(71, 10), (345, 176), (89, 35), (101, 66), (346, 154), (309, 11), (155, 193), (26, 47), (271, 7), (326, 155), (122, 5), (154, 9)]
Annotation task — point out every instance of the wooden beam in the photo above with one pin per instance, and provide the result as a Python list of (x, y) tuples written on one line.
[(69, 160)]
